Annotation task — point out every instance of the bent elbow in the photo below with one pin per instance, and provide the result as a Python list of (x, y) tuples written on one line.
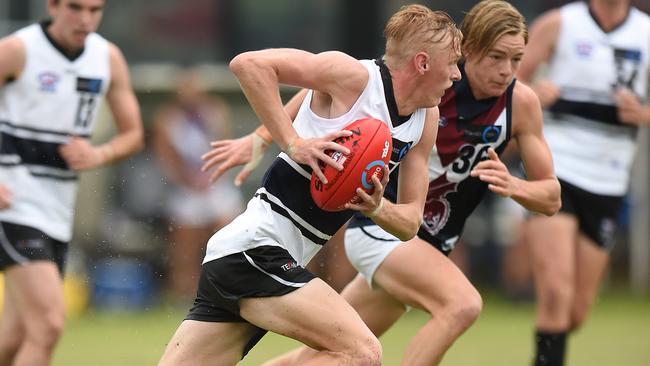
[(409, 231), (554, 208), (139, 145), (404, 236), (554, 201), (242, 62), (137, 140)]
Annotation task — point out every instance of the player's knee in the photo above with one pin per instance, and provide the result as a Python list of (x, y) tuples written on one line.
[(556, 298), (466, 308), (48, 330)]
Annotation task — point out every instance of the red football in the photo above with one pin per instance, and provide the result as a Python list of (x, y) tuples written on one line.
[(370, 148)]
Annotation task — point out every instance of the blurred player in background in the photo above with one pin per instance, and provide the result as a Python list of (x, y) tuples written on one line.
[(53, 76), (252, 279), (597, 54), (194, 209)]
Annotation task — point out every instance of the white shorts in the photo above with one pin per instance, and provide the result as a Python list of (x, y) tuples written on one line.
[(367, 247)]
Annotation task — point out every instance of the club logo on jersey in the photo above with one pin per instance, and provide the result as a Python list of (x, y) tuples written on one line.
[(491, 134), (371, 170), (437, 208), (48, 81), (583, 49), (442, 122)]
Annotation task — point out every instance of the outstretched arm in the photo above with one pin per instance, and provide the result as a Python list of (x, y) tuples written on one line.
[(540, 192), (248, 150)]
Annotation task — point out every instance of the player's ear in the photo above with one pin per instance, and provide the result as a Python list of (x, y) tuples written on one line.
[(421, 62)]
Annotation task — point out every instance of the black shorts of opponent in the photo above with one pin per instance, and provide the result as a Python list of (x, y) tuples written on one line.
[(260, 272), (21, 244), (597, 214)]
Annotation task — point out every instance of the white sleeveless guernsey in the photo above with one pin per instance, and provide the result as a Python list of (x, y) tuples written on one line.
[(54, 97), (282, 213), (591, 148)]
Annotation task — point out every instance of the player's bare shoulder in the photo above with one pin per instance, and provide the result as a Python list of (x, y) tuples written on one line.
[(344, 70), (119, 67), (115, 54), (12, 58), (526, 109)]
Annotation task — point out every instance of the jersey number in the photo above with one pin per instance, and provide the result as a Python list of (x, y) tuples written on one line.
[(469, 157), (85, 110)]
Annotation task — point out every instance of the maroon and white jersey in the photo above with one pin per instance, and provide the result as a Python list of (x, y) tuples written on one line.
[(467, 128)]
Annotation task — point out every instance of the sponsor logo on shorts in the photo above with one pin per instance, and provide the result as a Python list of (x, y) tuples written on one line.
[(289, 265), (31, 244), (606, 232)]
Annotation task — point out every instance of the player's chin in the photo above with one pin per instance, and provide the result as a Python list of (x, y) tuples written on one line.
[(497, 89), (434, 102)]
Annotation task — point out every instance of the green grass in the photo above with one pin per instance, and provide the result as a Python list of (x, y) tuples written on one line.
[(618, 333)]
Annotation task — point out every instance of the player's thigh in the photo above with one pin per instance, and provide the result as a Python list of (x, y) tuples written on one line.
[(552, 245), (195, 343), (419, 275), (11, 325), (313, 314), (36, 291), (378, 309)]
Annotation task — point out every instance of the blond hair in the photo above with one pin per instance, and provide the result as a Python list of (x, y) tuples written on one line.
[(416, 28), (488, 21)]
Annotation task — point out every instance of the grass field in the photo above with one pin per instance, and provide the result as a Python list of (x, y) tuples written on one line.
[(618, 333)]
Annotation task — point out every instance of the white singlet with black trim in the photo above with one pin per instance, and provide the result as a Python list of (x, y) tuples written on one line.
[(591, 147), (282, 213), (53, 98)]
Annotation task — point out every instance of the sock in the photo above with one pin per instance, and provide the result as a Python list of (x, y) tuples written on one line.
[(550, 348)]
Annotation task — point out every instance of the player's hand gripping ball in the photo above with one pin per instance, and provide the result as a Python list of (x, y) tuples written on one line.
[(370, 148)]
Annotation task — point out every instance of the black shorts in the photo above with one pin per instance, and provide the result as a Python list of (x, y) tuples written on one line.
[(20, 244), (260, 272), (597, 214)]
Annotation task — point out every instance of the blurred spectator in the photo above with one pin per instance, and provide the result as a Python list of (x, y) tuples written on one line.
[(194, 208)]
